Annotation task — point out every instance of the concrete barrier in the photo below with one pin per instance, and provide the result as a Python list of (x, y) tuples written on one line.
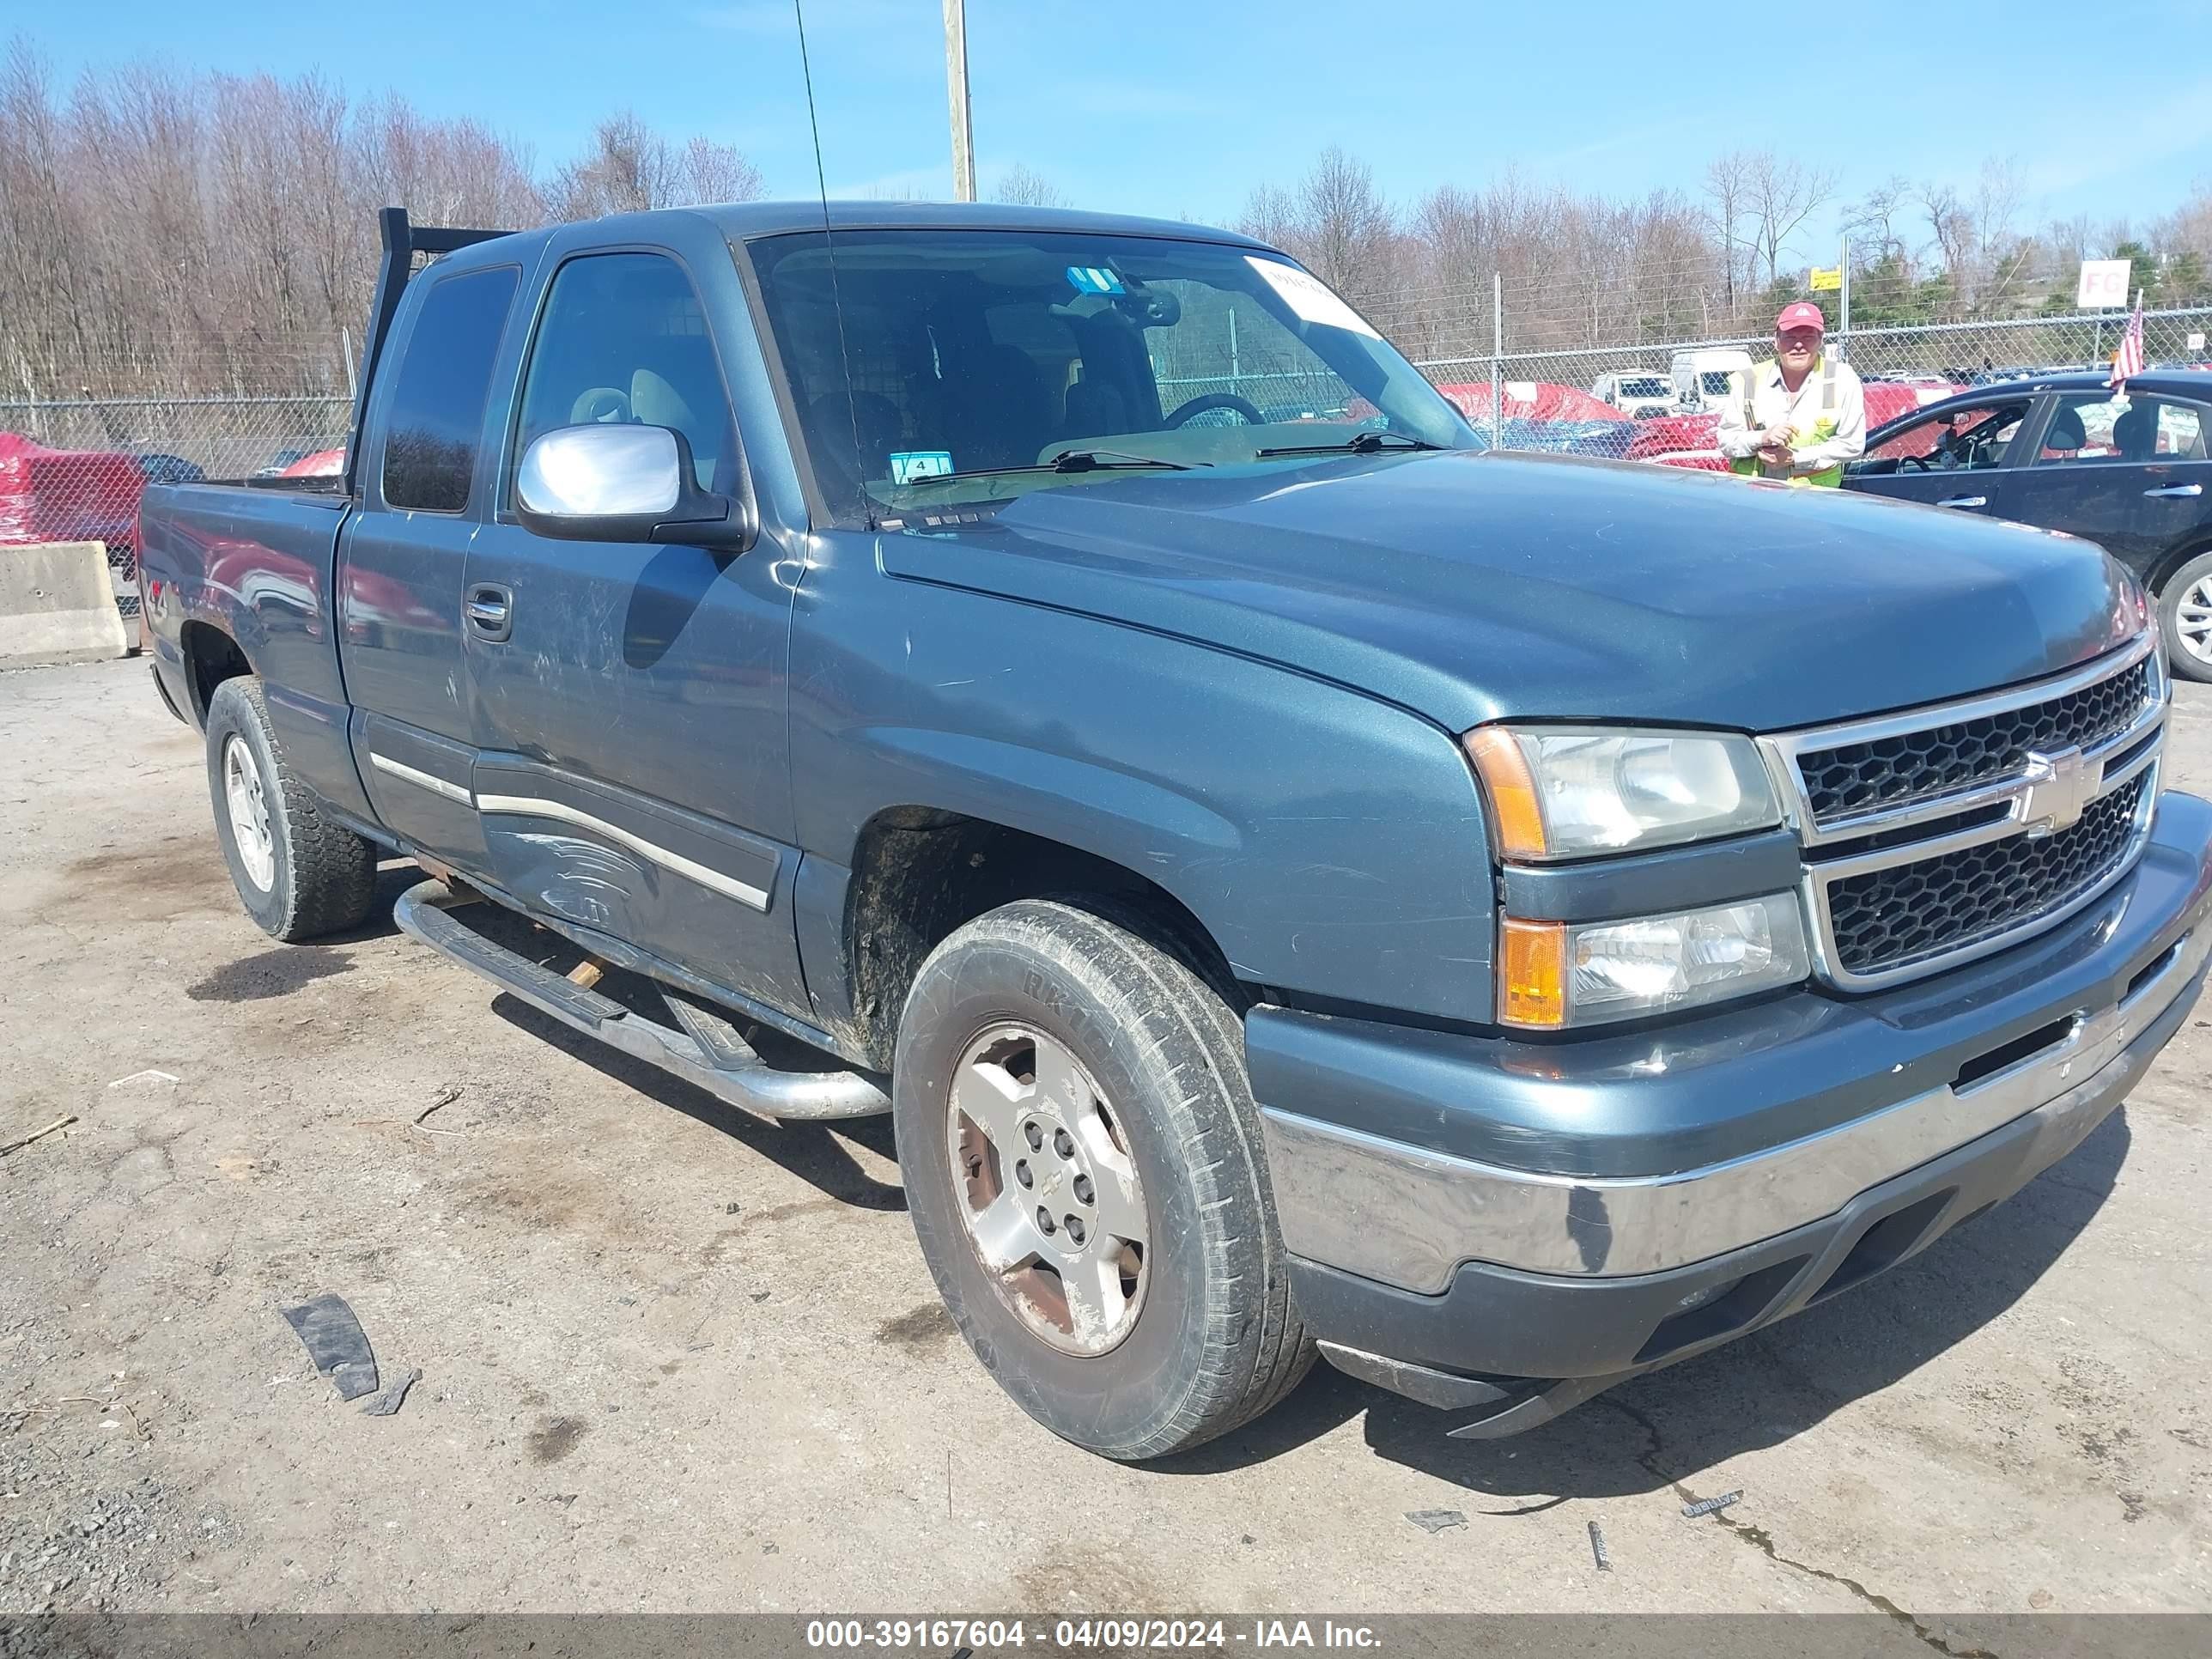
[(58, 604)]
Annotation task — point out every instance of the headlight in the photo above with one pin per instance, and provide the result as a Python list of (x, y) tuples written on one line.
[(1568, 791), (1555, 974)]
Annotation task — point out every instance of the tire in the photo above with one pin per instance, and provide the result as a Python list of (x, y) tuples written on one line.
[(299, 875), (2186, 664), (1209, 1337)]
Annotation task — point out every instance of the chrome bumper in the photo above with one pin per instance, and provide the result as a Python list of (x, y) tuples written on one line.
[(1408, 1217)]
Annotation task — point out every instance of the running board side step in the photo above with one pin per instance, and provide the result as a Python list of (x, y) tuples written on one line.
[(716, 1059)]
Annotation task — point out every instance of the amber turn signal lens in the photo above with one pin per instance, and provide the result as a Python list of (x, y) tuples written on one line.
[(1504, 770), (1532, 985)]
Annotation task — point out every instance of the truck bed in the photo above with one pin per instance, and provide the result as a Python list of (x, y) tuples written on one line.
[(261, 557)]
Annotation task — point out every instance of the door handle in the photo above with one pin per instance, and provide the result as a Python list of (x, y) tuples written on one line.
[(490, 611), (1965, 500), (2175, 492)]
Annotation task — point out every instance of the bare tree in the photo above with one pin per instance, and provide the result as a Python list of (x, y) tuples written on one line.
[(1026, 186), (1344, 226), (1270, 216), (708, 171), (1728, 187), (1952, 226), (2189, 228), (630, 169), (1781, 195), (1875, 221), (2071, 241)]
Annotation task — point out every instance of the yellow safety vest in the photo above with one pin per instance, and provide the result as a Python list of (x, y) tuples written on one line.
[(1750, 466)]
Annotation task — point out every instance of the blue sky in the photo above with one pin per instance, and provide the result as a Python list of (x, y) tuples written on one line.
[(1179, 106)]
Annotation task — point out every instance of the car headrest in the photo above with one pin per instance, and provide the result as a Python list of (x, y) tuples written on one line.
[(2066, 431), (654, 402), (2135, 435)]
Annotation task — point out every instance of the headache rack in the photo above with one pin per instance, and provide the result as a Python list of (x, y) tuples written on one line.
[(401, 242)]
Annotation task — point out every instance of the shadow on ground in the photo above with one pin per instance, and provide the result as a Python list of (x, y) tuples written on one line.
[(1668, 1426), (817, 1153), (1665, 1426)]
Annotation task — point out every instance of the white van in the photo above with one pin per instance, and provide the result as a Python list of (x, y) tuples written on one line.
[(1636, 393), (1701, 376)]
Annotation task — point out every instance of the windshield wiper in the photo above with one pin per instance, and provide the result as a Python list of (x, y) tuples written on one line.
[(1069, 460), (1360, 443)]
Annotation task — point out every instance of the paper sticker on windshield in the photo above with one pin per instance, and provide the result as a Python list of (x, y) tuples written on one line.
[(1310, 297), (1093, 279), (912, 465)]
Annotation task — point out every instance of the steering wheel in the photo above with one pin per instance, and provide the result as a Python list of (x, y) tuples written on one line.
[(601, 406), (1919, 461), (1200, 405)]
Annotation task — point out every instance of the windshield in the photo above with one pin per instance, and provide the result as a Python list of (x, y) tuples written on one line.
[(1648, 385), (1715, 382), (975, 351)]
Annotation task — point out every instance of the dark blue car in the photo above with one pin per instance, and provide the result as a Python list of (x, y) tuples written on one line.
[(2129, 470)]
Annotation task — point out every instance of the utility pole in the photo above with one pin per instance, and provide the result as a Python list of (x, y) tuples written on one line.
[(1497, 346), (1843, 326), (956, 93)]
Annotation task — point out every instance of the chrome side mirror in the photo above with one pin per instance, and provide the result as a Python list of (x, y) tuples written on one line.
[(624, 483)]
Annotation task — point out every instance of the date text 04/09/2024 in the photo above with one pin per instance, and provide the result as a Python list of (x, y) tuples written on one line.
[(1114, 1634)]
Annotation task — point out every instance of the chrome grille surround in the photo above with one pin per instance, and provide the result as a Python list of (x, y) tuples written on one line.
[(2044, 795)]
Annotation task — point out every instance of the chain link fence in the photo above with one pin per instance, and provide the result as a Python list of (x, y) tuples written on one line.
[(1660, 401), (72, 469)]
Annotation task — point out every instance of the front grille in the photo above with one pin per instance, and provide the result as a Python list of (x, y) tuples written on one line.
[(1895, 771), (1882, 920)]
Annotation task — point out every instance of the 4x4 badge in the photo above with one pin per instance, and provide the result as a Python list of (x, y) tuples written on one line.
[(2058, 789)]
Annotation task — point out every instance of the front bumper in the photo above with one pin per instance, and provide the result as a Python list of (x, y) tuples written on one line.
[(1673, 1191)]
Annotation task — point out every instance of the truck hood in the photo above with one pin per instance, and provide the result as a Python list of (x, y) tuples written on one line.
[(1469, 588)]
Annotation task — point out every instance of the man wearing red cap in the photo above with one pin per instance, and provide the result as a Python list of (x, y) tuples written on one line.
[(1800, 417)]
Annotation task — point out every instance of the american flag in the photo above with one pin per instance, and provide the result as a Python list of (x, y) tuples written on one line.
[(2128, 359)]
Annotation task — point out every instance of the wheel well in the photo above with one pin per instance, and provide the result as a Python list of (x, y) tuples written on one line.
[(211, 656), (918, 873), (2163, 571)]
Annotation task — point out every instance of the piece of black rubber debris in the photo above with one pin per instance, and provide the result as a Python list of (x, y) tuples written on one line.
[(387, 1404), (1712, 1505), (335, 1342)]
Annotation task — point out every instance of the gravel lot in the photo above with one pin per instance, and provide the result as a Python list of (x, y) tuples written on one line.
[(675, 1359)]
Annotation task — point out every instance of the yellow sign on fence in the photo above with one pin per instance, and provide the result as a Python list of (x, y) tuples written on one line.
[(1830, 277)]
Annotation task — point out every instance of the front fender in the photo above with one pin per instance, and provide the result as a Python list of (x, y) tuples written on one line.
[(1332, 845)]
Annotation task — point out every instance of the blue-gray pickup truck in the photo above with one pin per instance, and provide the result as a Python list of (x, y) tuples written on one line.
[(1298, 882)]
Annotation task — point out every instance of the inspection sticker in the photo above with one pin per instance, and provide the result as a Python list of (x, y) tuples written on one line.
[(912, 465), (1093, 279), (1310, 297)]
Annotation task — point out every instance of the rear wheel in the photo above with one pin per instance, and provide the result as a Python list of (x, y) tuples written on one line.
[(1085, 1174), (298, 874), (2185, 616)]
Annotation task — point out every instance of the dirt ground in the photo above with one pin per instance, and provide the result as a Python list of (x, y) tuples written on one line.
[(672, 1359)]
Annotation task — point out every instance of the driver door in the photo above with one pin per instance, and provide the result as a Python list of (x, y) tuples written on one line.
[(630, 698), (1959, 458)]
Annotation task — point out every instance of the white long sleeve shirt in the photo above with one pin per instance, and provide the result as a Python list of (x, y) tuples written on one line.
[(1820, 437)]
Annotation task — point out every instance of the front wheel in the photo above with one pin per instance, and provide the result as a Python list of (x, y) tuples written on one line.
[(2184, 617), (1085, 1174)]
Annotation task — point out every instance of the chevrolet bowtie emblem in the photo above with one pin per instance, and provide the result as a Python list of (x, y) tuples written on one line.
[(2058, 788)]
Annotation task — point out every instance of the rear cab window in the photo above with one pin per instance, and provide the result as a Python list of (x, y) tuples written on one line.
[(433, 425)]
